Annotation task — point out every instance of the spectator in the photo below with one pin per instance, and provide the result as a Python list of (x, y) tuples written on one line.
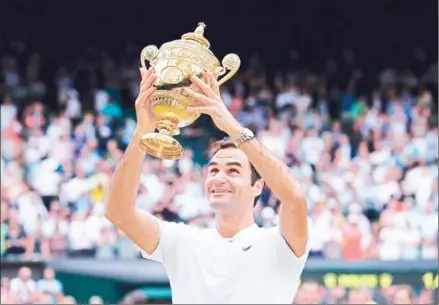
[(50, 285), (54, 230), (68, 300), (403, 295), (96, 300), (7, 296), (23, 286), (310, 293), (359, 296), (17, 241)]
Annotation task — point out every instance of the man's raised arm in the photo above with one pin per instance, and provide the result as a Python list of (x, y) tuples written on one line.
[(293, 209), (121, 209)]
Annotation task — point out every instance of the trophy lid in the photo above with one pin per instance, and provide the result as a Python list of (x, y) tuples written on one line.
[(197, 35)]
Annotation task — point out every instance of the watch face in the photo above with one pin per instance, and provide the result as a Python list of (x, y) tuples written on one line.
[(248, 133)]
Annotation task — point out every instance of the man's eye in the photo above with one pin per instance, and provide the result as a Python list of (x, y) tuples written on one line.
[(213, 171), (234, 171)]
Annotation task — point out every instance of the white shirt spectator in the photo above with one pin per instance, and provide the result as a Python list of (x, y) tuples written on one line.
[(389, 248), (49, 225), (31, 210), (302, 102), (379, 156), (155, 188), (74, 189), (46, 180), (429, 224), (311, 149), (275, 143), (54, 131), (62, 151), (286, 98), (191, 202), (419, 182), (36, 148), (410, 244), (82, 234), (23, 289), (319, 233), (73, 107)]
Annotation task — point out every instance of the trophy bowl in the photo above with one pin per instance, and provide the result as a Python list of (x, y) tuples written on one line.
[(174, 63)]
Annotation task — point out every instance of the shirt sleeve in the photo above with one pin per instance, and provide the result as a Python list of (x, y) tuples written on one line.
[(175, 239), (285, 257)]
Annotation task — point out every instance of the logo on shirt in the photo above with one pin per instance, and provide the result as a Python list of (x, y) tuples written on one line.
[(246, 248)]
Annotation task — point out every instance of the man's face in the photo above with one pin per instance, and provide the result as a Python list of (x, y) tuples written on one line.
[(310, 293), (49, 274), (228, 184), (402, 297), (24, 273), (358, 297)]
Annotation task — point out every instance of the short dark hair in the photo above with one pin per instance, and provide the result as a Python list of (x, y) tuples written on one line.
[(227, 143)]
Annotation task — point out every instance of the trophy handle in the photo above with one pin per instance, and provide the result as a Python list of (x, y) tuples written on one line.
[(230, 62), (149, 53)]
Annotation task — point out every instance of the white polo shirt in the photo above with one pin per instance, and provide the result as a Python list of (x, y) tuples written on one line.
[(254, 267)]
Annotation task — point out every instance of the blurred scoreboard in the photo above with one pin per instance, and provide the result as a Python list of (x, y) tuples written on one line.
[(418, 280)]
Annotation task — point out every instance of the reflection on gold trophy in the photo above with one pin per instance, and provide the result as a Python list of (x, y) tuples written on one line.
[(174, 63)]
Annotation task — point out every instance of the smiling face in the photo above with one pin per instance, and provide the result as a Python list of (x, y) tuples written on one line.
[(229, 184)]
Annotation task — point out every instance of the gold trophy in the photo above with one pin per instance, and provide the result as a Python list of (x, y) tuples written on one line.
[(175, 62)]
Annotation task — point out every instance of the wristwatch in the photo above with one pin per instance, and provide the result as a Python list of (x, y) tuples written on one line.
[(245, 135)]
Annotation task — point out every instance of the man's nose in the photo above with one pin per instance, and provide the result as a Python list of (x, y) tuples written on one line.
[(220, 176)]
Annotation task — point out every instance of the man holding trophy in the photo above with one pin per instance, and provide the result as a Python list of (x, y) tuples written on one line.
[(237, 262)]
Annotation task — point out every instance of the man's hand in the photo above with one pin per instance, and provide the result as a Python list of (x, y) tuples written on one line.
[(146, 119), (293, 210), (210, 103)]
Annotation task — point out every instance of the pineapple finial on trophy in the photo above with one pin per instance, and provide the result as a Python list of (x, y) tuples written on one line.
[(198, 35), (200, 29)]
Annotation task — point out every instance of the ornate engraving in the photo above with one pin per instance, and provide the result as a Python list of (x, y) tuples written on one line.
[(171, 75), (150, 52), (231, 61)]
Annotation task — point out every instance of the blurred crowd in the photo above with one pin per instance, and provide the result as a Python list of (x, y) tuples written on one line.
[(367, 159), (25, 288), (313, 293)]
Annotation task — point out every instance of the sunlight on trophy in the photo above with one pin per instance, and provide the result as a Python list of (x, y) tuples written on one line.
[(175, 62)]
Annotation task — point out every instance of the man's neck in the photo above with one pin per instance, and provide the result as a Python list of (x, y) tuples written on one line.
[(228, 225)]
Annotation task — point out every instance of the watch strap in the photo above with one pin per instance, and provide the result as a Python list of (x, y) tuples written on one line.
[(244, 136)]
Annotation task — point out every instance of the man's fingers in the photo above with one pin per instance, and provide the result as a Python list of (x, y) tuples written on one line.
[(147, 83), (198, 96), (145, 74), (206, 79), (205, 88), (150, 80), (213, 83), (210, 110), (143, 98), (149, 92)]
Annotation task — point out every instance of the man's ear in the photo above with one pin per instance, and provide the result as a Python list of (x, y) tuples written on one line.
[(258, 187)]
